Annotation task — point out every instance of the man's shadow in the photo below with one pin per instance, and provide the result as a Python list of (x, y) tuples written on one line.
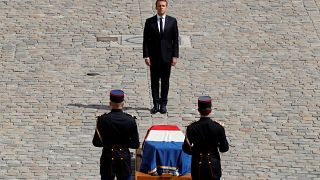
[(105, 107)]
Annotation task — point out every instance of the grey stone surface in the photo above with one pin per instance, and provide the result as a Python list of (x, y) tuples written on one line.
[(258, 60)]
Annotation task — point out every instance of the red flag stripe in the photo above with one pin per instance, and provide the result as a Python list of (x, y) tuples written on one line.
[(165, 127)]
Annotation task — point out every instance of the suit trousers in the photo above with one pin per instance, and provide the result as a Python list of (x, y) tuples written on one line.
[(160, 71)]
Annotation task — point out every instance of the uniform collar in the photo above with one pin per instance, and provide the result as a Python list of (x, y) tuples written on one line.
[(116, 110), (205, 118)]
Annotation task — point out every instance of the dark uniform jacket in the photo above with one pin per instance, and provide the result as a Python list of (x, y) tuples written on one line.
[(207, 137), (116, 132), (166, 45)]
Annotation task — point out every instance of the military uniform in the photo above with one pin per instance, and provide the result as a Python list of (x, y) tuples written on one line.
[(203, 140), (116, 132)]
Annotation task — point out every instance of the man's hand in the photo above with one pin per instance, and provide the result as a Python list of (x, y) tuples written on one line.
[(174, 61), (148, 62)]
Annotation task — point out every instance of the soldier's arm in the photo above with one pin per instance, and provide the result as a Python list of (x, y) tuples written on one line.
[(187, 147), (134, 139), (224, 145), (97, 139)]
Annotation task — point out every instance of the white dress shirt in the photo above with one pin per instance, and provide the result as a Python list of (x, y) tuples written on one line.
[(163, 21)]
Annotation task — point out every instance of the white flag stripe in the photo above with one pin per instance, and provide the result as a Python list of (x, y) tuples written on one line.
[(166, 136)]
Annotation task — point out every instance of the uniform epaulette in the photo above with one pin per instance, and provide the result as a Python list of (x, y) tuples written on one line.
[(99, 118), (192, 122), (220, 123), (130, 116), (104, 114)]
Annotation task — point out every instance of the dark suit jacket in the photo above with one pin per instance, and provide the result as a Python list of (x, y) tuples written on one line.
[(161, 48)]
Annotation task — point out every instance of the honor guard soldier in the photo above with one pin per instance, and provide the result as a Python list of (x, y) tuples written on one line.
[(203, 140), (116, 132)]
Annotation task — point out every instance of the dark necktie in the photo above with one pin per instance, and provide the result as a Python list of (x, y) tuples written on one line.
[(161, 25)]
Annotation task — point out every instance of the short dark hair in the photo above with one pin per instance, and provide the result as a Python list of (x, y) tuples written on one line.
[(161, 0)]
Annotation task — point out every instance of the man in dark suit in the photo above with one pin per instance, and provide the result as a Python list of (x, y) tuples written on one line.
[(116, 132), (204, 139), (160, 51)]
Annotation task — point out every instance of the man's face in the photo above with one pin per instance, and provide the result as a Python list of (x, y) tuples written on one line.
[(161, 7)]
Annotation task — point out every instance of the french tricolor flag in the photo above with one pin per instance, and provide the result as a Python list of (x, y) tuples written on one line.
[(162, 151)]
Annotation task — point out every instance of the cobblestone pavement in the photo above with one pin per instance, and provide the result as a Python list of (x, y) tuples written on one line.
[(259, 60)]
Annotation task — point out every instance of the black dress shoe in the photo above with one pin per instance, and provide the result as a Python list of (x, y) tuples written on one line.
[(163, 109), (155, 109)]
